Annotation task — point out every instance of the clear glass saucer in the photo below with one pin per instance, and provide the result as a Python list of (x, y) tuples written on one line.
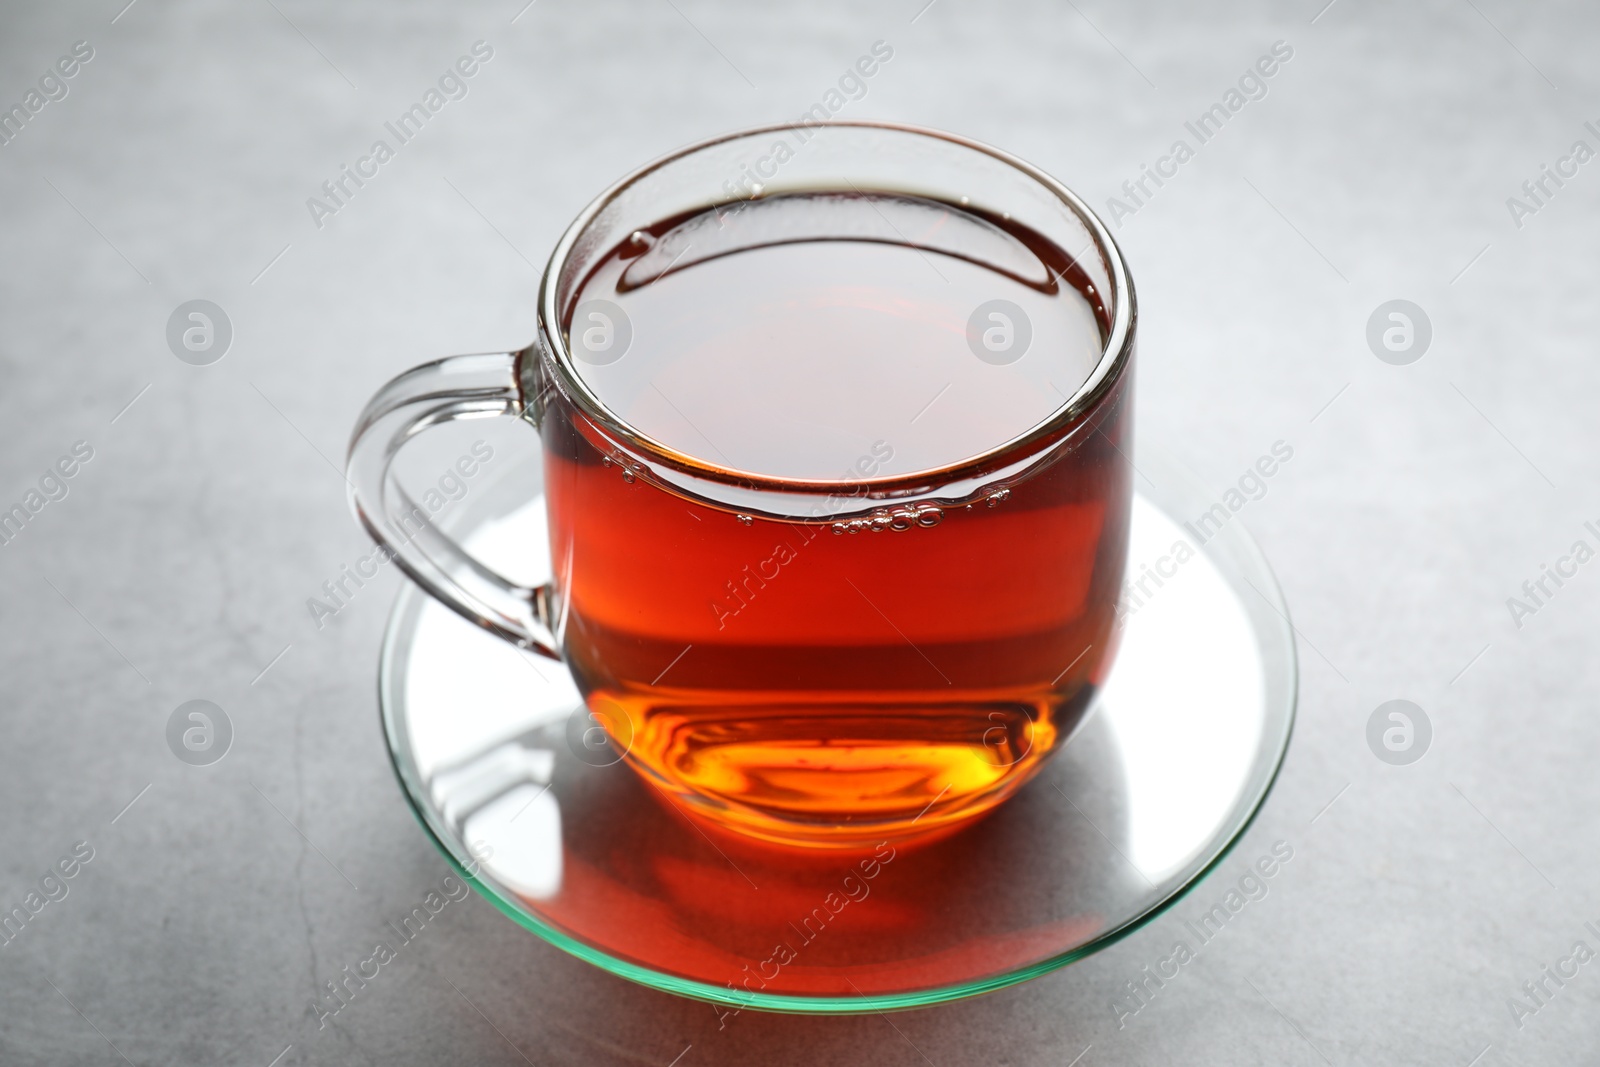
[(493, 750)]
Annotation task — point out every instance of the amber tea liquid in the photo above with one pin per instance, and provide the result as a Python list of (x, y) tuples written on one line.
[(826, 680)]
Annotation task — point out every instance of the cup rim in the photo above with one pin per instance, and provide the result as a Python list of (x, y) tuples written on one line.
[(1115, 355)]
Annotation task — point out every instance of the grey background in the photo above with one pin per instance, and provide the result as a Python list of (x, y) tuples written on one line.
[(178, 567)]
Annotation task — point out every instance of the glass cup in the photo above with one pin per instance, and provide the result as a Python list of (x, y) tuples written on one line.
[(909, 648)]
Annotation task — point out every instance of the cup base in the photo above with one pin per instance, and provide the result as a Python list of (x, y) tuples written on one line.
[(890, 770)]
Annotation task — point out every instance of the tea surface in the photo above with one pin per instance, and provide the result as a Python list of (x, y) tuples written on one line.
[(788, 336)]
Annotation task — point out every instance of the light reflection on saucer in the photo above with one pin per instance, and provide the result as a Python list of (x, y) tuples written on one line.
[(1185, 714)]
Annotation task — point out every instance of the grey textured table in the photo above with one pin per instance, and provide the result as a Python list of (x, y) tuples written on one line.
[(1377, 166)]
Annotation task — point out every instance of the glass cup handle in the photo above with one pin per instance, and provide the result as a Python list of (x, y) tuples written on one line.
[(458, 387)]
